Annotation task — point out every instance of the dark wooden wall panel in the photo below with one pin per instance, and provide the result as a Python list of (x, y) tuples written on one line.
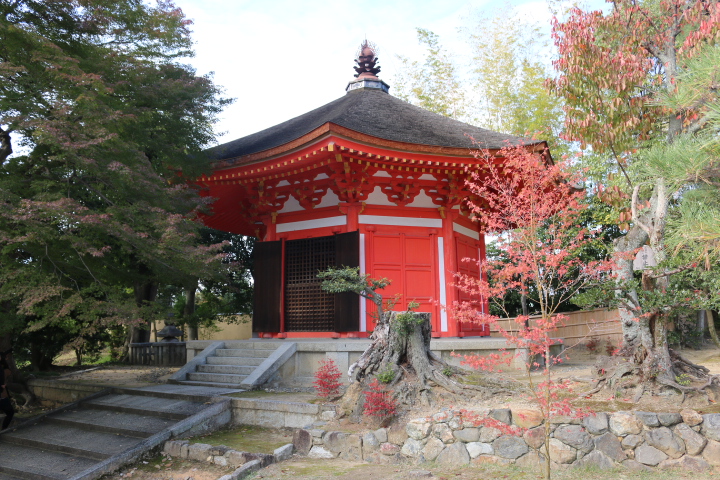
[(267, 286), (347, 305)]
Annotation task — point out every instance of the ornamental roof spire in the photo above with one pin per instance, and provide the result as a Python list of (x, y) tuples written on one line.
[(366, 61), (367, 69)]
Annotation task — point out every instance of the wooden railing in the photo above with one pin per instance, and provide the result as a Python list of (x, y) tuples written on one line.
[(168, 354)]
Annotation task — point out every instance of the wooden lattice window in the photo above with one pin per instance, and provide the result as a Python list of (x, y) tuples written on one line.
[(307, 307)]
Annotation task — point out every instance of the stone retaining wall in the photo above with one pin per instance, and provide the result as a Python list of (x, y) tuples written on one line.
[(53, 392), (634, 440), (278, 414), (244, 463)]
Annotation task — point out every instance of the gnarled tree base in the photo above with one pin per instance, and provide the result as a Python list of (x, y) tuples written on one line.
[(417, 372), (650, 376)]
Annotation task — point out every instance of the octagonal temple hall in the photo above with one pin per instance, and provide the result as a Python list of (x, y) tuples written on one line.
[(368, 181)]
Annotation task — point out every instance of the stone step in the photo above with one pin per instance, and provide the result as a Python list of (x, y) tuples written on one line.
[(246, 361), (134, 425), (232, 369), (244, 352), (252, 344), (35, 464), (195, 393), (232, 387), (142, 405), (70, 440), (5, 476), (216, 378)]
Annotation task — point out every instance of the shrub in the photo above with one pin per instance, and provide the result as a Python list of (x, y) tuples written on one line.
[(378, 402), (327, 379), (386, 376), (592, 345)]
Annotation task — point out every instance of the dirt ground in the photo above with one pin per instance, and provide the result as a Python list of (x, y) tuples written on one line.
[(303, 468), (165, 468), (125, 375)]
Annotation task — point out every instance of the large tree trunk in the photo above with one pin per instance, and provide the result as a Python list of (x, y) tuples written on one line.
[(711, 328), (145, 294), (645, 332), (631, 325), (406, 351), (189, 310)]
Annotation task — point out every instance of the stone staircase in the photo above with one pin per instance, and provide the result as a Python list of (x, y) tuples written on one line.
[(237, 364), (96, 435)]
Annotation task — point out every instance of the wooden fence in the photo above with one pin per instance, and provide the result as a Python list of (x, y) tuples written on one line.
[(579, 327), (167, 354)]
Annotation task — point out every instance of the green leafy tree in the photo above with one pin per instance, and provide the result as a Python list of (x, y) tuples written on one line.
[(504, 89), (433, 84), (509, 70), (226, 295), (107, 128)]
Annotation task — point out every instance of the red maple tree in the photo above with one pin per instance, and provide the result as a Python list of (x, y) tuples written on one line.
[(534, 208), (327, 378)]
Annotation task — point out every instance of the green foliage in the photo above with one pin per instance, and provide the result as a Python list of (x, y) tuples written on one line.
[(510, 66), (349, 279), (683, 379), (433, 85), (386, 376), (505, 87), (405, 322)]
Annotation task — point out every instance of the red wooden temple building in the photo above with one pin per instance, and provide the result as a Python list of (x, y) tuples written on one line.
[(367, 180)]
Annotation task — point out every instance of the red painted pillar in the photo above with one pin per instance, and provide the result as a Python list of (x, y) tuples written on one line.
[(451, 266), (352, 213), (270, 227), (483, 274)]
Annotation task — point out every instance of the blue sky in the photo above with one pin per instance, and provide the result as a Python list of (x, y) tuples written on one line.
[(281, 58)]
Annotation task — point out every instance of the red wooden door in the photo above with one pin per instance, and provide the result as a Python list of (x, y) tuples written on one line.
[(469, 249), (410, 262)]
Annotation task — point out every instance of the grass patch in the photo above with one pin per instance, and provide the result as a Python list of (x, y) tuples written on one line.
[(248, 438)]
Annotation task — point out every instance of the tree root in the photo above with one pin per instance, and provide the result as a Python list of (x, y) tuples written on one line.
[(406, 352), (600, 382), (684, 365), (639, 391), (685, 389), (612, 371)]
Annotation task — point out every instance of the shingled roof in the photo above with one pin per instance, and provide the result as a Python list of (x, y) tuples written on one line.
[(377, 114)]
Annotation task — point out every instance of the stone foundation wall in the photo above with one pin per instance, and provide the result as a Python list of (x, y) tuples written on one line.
[(278, 414), (634, 440)]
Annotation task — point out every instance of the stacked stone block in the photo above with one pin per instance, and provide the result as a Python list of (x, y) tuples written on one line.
[(634, 440), (245, 463)]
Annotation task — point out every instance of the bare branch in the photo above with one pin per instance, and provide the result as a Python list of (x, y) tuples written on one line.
[(672, 272)]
